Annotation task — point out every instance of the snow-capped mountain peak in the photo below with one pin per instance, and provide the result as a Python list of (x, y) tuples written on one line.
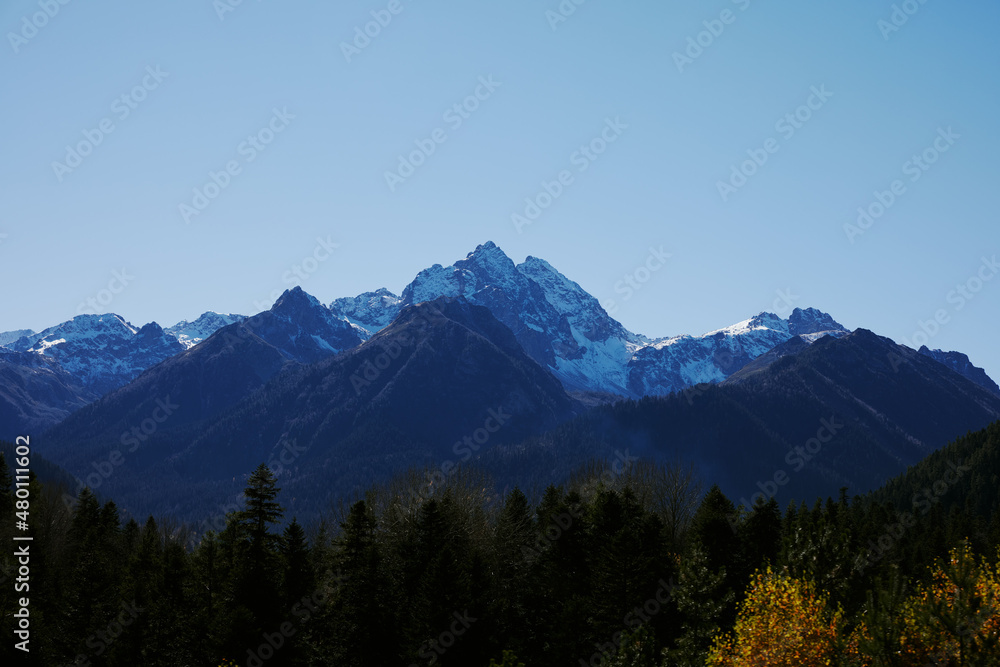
[(370, 311), (558, 324), (565, 329), (569, 299), (811, 321), (294, 301), (303, 329), (8, 337), (102, 351), (762, 321), (190, 334)]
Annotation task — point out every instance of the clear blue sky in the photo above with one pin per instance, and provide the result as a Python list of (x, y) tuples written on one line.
[(657, 184)]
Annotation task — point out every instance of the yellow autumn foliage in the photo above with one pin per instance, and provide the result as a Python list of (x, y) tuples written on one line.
[(956, 617), (784, 622)]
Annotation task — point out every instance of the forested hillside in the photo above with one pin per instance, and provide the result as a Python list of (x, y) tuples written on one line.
[(630, 563)]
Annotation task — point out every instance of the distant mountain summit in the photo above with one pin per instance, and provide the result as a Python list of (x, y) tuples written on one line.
[(555, 321), (190, 334), (304, 329), (960, 363), (442, 381), (677, 363), (565, 329), (849, 410), (8, 337), (370, 311), (809, 321), (103, 352)]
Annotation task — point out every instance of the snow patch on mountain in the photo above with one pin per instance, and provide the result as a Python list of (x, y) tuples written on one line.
[(368, 312), (103, 352), (190, 334), (813, 337), (811, 321), (303, 329), (565, 329), (558, 324), (8, 337)]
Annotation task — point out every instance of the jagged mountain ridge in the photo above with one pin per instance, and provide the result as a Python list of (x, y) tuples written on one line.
[(850, 410), (442, 372), (566, 330), (35, 392), (102, 352), (219, 372), (556, 321), (190, 334), (8, 337), (961, 364)]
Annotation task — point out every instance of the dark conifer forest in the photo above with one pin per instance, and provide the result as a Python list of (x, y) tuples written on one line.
[(635, 565)]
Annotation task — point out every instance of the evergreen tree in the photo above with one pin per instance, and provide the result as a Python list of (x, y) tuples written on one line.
[(637, 649), (358, 627), (94, 566), (713, 529), (703, 600), (298, 578), (515, 532), (208, 580), (760, 539), (560, 582), (256, 566), (298, 582), (259, 514)]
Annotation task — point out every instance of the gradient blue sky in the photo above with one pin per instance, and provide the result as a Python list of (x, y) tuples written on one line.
[(323, 176)]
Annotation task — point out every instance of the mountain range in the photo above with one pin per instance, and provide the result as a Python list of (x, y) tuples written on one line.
[(799, 422), (338, 396), (558, 324)]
